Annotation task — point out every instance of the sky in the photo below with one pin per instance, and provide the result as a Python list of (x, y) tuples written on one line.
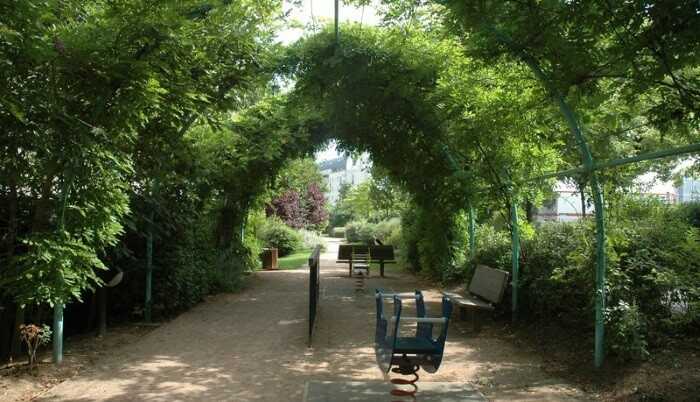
[(322, 12)]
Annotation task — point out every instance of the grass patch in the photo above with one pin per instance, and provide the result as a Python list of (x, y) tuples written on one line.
[(296, 260)]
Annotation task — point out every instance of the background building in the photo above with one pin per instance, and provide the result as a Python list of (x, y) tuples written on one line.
[(343, 170), (689, 190), (565, 205)]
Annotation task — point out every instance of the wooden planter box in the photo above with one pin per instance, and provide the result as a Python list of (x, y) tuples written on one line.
[(269, 258)]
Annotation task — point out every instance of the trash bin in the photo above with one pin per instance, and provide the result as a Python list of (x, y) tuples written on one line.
[(269, 258)]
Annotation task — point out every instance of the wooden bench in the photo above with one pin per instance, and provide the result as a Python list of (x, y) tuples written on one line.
[(485, 291), (380, 254)]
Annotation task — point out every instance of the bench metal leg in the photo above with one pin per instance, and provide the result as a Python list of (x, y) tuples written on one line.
[(476, 323), (350, 271), (381, 268), (462, 313), (473, 317)]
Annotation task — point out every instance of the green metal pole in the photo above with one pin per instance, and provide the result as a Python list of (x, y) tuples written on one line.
[(337, 20), (149, 271), (665, 153), (58, 333), (589, 166), (472, 233), (599, 352), (588, 163), (58, 305), (515, 257)]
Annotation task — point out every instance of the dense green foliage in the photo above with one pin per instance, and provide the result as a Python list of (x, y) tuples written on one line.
[(275, 233), (134, 124), (653, 273), (388, 232)]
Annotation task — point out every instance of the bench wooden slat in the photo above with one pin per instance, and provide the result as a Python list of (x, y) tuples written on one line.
[(363, 254), (485, 292), (465, 301), (488, 283), (372, 260)]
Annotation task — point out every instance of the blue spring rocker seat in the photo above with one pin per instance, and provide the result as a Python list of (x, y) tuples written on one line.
[(407, 354)]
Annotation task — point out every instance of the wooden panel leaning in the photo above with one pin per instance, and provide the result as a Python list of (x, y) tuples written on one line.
[(485, 291)]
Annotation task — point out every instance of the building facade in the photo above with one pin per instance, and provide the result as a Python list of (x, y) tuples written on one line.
[(689, 190), (566, 204), (343, 171)]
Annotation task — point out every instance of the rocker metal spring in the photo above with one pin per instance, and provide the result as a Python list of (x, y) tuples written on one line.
[(405, 394), (360, 282)]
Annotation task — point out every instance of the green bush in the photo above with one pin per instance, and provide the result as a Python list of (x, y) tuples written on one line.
[(360, 232), (311, 239), (395, 238), (276, 234), (432, 242), (493, 247), (338, 232), (384, 229), (653, 273)]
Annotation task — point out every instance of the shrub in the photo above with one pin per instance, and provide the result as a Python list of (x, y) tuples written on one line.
[(338, 232), (431, 241), (394, 238), (311, 239), (360, 232), (280, 236), (493, 247), (385, 228)]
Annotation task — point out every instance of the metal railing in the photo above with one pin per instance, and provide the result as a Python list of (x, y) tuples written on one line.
[(314, 288)]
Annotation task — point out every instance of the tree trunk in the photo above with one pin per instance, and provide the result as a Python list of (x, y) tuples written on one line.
[(102, 300), (529, 211), (92, 312), (581, 187), (16, 345), (12, 218), (42, 210)]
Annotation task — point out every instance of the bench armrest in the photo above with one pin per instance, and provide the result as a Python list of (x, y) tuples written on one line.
[(405, 295), (430, 320)]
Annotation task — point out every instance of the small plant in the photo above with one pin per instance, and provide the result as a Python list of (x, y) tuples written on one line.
[(34, 336)]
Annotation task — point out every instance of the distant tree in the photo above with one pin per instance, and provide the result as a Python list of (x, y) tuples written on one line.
[(288, 207), (316, 212), (297, 195)]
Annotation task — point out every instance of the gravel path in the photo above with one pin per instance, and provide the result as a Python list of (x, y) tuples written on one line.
[(251, 346)]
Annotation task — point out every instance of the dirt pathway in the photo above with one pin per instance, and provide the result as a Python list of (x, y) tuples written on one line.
[(251, 346)]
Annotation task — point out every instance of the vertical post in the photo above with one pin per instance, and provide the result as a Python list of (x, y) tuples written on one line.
[(599, 354), (597, 194), (149, 270), (58, 332), (337, 21), (58, 304), (102, 308), (16, 342), (515, 240), (472, 233)]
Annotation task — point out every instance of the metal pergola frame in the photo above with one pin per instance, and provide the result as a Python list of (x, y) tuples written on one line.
[(590, 168)]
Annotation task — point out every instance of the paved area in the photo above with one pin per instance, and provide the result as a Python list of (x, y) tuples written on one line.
[(374, 391), (251, 346)]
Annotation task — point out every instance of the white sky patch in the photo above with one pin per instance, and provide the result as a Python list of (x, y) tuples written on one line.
[(321, 12), (328, 153)]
